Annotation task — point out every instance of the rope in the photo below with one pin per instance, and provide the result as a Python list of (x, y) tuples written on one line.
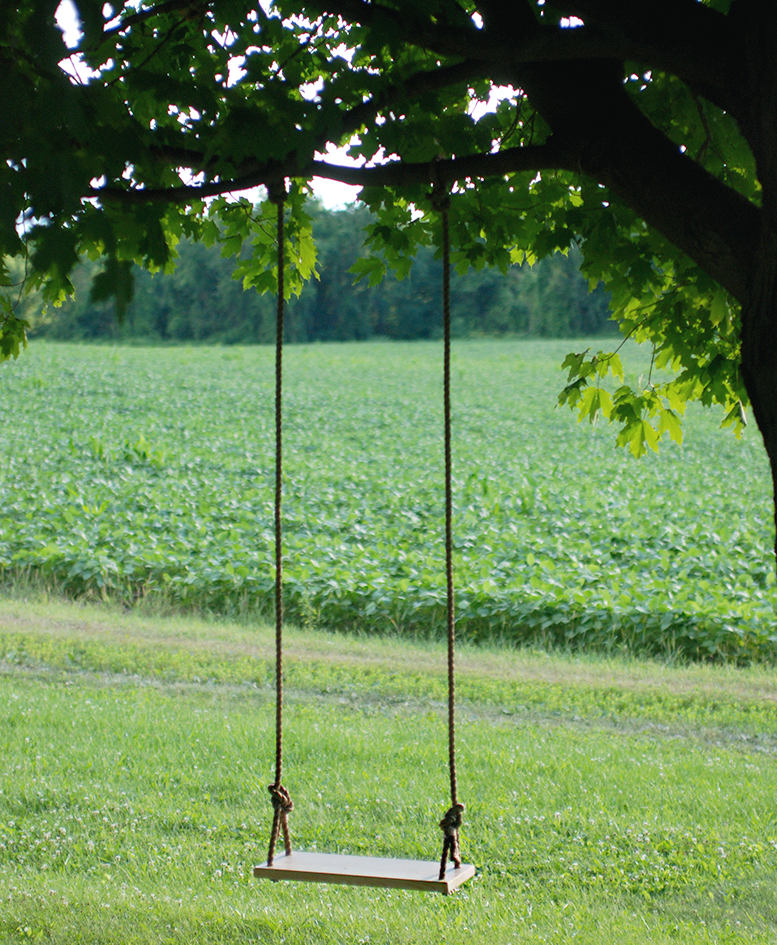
[(453, 818), (280, 798), (451, 603)]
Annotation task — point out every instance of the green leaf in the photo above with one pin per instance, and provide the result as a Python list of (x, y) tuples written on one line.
[(736, 418), (13, 337), (593, 401), (639, 436), (370, 267), (719, 310), (670, 423)]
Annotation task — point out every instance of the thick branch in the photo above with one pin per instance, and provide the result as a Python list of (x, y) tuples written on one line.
[(542, 157), (705, 62), (586, 106), (393, 174), (712, 223), (684, 38)]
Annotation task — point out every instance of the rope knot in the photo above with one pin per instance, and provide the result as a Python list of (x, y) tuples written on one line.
[(450, 845), (452, 820), (282, 807), (280, 797)]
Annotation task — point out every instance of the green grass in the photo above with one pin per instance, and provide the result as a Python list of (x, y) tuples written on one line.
[(146, 475), (607, 800), (97, 640)]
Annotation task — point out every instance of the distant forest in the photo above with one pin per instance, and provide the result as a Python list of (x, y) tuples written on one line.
[(201, 302)]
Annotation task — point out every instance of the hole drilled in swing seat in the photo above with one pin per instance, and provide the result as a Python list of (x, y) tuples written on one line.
[(365, 871)]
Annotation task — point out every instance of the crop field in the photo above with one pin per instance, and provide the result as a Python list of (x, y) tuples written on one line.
[(147, 474)]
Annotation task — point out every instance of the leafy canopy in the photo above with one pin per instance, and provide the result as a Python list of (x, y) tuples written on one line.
[(158, 123)]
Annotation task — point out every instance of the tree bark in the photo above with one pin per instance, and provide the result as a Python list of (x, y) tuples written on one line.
[(757, 23), (759, 348)]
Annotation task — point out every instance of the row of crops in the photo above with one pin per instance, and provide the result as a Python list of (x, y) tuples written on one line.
[(137, 472)]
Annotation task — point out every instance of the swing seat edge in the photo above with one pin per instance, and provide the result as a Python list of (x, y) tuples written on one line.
[(379, 872)]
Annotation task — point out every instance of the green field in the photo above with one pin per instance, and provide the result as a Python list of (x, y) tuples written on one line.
[(147, 473), (609, 802)]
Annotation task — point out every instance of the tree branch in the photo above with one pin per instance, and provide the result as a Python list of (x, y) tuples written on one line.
[(392, 174), (681, 37), (587, 108), (168, 6), (697, 49)]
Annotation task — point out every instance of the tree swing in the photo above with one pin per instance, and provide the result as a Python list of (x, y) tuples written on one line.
[(441, 877)]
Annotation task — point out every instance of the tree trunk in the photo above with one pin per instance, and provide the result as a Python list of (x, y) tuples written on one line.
[(759, 347), (758, 22)]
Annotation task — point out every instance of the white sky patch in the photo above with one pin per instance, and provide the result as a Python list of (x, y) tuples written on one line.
[(497, 94), (66, 17), (332, 193), (310, 90)]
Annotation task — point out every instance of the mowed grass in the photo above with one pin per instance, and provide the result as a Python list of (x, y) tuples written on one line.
[(147, 475), (607, 800)]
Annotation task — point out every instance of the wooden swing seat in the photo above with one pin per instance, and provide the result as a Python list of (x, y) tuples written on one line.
[(365, 871)]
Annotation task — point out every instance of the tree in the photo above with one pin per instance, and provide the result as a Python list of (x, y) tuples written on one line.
[(644, 133), (200, 301)]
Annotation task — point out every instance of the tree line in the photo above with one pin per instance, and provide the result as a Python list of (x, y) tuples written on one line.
[(201, 302)]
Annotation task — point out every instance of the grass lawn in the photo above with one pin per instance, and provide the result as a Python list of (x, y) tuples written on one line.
[(607, 801)]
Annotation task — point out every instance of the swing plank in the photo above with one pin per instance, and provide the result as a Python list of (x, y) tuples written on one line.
[(365, 871)]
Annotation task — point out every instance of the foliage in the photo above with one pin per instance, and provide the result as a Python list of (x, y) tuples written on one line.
[(627, 133), (201, 301), (556, 537)]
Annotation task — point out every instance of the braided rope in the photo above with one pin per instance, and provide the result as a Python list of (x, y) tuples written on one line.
[(281, 800), (451, 603), (278, 505), (453, 818)]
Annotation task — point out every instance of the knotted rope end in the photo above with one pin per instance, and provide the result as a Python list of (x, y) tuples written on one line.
[(280, 798), (453, 819), (282, 806), (450, 825)]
